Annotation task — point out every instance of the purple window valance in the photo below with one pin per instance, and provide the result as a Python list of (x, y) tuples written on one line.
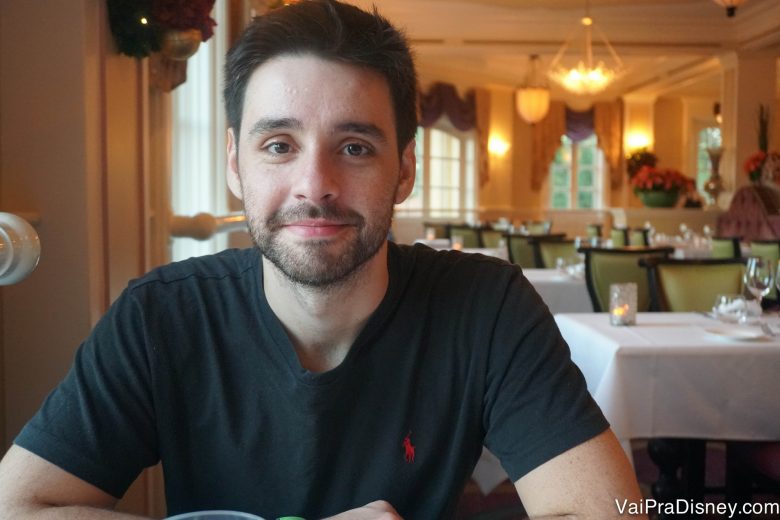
[(579, 125), (443, 98)]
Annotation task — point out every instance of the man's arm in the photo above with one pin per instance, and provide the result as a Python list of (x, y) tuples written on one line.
[(33, 488), (583, 482)]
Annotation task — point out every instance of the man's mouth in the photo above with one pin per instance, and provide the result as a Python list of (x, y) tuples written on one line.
[(316, 228)]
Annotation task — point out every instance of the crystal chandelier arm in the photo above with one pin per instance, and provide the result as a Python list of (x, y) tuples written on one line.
[(609, 47)]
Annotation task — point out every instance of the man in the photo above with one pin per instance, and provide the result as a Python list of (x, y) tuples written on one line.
[(325, 372)]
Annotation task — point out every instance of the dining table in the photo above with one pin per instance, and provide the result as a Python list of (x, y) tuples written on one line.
[(676, 375), (562, 290)]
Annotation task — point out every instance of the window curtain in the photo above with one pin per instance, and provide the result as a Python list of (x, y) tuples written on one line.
[(483, 131), (469, 113), (545, 140), (608, 126), (605, 119)]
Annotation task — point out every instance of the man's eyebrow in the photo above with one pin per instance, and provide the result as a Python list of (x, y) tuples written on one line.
[(367, 129), (270, 124)]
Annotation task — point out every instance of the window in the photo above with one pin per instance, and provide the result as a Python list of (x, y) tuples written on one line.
[(708, 138), (198, 126), (576, 174), (445, 186)]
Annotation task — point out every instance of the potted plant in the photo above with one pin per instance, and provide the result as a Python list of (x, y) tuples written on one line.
[(659, 187)]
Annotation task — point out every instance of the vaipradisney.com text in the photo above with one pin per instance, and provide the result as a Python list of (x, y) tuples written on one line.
[(683, 506)]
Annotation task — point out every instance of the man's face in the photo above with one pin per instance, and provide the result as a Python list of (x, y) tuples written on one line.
[(317, 166)]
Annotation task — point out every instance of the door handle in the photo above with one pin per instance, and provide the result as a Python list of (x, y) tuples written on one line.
[(20, 248)]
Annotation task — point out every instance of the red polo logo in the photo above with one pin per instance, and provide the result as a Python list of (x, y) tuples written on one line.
[(408, 448)]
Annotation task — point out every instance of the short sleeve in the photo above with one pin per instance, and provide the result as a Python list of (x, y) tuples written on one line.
[(98, 423), (537, 405)]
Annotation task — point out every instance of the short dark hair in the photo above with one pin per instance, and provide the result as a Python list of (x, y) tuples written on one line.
[(334, 31)]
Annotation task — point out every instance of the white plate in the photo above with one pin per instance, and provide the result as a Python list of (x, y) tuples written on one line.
[(737, 333)]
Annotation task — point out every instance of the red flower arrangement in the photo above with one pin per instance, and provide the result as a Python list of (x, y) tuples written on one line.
[(138, 25), (754, 165), (185, 14), (660, 179)]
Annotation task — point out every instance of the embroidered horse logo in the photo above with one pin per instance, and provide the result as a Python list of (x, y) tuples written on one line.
[(408, 448)]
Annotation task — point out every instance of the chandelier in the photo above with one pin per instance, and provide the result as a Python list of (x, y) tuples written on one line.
[(586, 77), (532, 99), (730, 5)]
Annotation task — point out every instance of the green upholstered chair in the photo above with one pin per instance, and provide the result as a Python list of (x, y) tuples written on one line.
[(726, 247), (593, 231), (605, 266), (522, 250), (639, 237), (549, 250), (470, 234), (490, 237), (538, 227), (439, 228), (769, 250), (619, 236), (687, 285)]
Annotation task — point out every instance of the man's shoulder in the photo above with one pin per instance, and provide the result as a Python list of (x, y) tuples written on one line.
[(225, 265), (423, 259)]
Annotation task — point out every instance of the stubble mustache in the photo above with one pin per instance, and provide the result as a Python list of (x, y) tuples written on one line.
[(329, 212)]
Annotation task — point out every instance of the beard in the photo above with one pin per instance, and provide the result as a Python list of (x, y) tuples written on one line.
[(319, 263)]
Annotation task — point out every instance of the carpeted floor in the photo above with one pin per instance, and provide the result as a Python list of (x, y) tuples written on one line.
[(503, 504)]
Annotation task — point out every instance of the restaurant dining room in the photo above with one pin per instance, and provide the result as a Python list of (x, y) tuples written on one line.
[(625, 154)]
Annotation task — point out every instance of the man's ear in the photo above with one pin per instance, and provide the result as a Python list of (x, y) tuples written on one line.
[(233, 180), (407, 173)]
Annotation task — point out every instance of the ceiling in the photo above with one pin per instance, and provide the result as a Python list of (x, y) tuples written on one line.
[(669, 47)]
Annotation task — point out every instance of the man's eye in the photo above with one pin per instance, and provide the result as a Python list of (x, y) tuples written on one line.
[(278, 148), (355, 149)]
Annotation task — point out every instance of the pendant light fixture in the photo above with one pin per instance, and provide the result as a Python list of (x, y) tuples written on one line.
[(532, 98), (730, 5), (588, 76)]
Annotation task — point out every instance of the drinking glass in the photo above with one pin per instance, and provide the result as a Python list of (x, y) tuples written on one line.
[(215, 515), (730, 308), (759, 276)]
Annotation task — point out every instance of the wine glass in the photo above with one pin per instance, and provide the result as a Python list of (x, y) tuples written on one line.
[(759, 276)]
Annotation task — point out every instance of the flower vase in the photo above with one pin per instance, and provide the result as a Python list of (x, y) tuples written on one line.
[(658, 198), (714, 185), (180, 44)]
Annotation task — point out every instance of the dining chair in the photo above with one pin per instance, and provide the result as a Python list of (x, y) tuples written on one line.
[(769, 250), (521, 249), (470, 234), (691, 285), (619, 236), (593, 230), (548, 250), (605, 266), (726, 247), (490, 237), (538, 227), (439, 228), (639, 237)]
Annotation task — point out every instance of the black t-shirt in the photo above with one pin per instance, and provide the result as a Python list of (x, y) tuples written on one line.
[(191, 367)]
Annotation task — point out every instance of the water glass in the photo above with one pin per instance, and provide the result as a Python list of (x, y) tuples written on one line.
[(759, 276), (430, 233), (622, 303), (215, 515)]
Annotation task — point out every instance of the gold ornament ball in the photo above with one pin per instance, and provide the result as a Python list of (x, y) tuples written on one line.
[(180, 44)]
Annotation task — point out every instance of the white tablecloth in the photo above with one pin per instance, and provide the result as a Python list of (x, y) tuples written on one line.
[(561, 292), (668, 377)]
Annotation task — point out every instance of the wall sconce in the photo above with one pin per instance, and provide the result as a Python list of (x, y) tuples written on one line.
[(717, 113), (498, 146), (636, 140)]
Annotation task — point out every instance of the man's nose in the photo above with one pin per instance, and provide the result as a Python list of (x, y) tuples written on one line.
[(318, 179)]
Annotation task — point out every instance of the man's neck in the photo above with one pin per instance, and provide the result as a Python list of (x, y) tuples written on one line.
[(322, 323)]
